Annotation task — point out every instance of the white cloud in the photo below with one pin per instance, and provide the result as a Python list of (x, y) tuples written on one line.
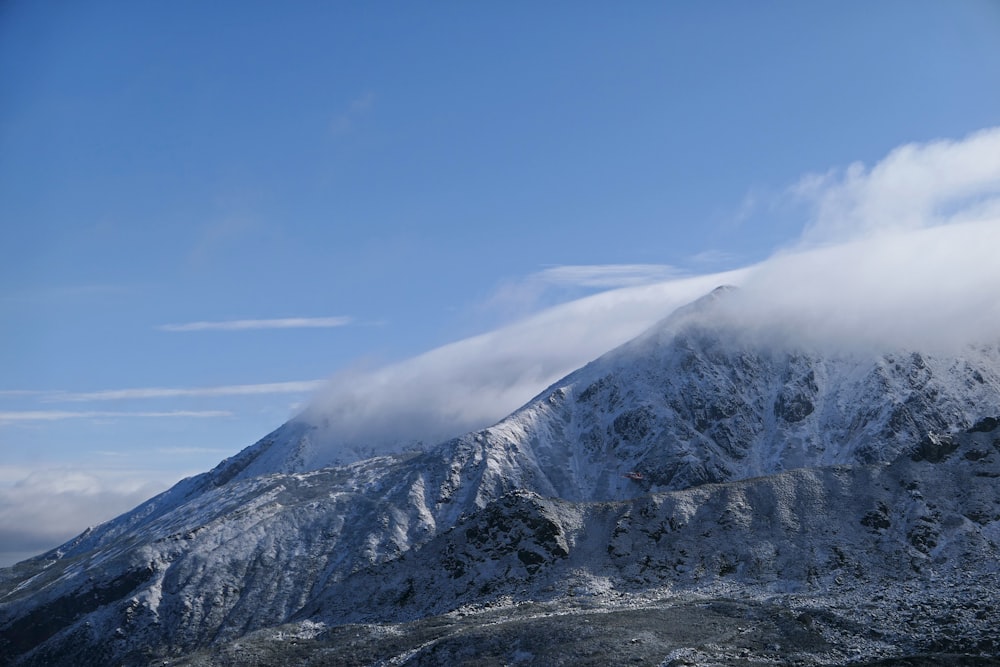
[(344, 122), (134, 393), (473, 382), (900, 253), (59, 415), (517, 299), (605, 276), (245, 325), (929, 288), (908, 258), (58, 293), (223, 233), (914, 187), (294, 387), (714, 257), (192, 450)]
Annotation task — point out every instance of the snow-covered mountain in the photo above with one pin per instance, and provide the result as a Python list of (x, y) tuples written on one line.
[(700, 459)]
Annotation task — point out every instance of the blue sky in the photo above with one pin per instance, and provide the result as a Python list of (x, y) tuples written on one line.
[(209, 208)]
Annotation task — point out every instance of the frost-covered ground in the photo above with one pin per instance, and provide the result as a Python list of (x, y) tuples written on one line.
[(672, 630)]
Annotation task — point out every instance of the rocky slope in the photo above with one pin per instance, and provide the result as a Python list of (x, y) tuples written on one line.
[(695, 462), (829, 565)]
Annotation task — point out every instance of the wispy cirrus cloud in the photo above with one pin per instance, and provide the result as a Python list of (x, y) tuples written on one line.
[(555, 284), (906, 256), (714, 258), (300, 387), (67, 293), (605, 276), (344, 122), (247, 325), (59, 415), (192, 450), (294, 387)]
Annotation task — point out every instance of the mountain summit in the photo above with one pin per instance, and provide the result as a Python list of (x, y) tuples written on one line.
[(701, 471)]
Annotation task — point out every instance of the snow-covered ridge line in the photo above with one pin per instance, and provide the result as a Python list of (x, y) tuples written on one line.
[(693, 426)]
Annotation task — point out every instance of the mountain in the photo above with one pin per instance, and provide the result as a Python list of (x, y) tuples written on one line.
[(702, 493)]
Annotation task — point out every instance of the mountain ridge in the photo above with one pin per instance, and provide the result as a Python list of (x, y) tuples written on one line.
[(685, 411)]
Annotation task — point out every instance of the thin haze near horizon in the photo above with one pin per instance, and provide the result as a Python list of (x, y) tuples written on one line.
[(210, 210)]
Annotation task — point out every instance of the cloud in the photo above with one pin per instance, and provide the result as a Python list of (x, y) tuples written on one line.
[(192, 450), (605, 276), (245, 325), (222, 234), (916, 186), (899, 254), (344, 122), (294, 387), (714, 257), (74, 293), (136, 393), (43, 507), (936, 289), (518, 298), (59, 415), (902, 253), (473, 382)]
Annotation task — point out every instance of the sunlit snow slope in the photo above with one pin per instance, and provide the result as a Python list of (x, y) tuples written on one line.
[(261, 539)]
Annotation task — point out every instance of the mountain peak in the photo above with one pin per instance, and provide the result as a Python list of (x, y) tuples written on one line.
[(692, 459)]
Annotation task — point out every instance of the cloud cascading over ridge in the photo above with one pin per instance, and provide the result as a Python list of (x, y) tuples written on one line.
[(901, 254), (473, 382), (935, 288)]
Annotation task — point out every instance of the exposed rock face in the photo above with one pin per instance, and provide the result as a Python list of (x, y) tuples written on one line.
[(691, 463)]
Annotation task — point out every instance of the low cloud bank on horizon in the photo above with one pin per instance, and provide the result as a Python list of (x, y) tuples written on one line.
[(902, 254), (44, 507)]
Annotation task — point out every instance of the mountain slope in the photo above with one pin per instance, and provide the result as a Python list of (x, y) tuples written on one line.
[(778, 437), (777, 533)]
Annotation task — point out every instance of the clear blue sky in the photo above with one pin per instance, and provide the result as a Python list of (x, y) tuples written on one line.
[(391, 168)]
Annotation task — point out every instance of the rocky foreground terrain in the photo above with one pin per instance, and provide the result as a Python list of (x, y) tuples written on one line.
[(698, 496)]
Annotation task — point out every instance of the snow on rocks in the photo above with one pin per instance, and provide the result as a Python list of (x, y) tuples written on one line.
[(692, 463)]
